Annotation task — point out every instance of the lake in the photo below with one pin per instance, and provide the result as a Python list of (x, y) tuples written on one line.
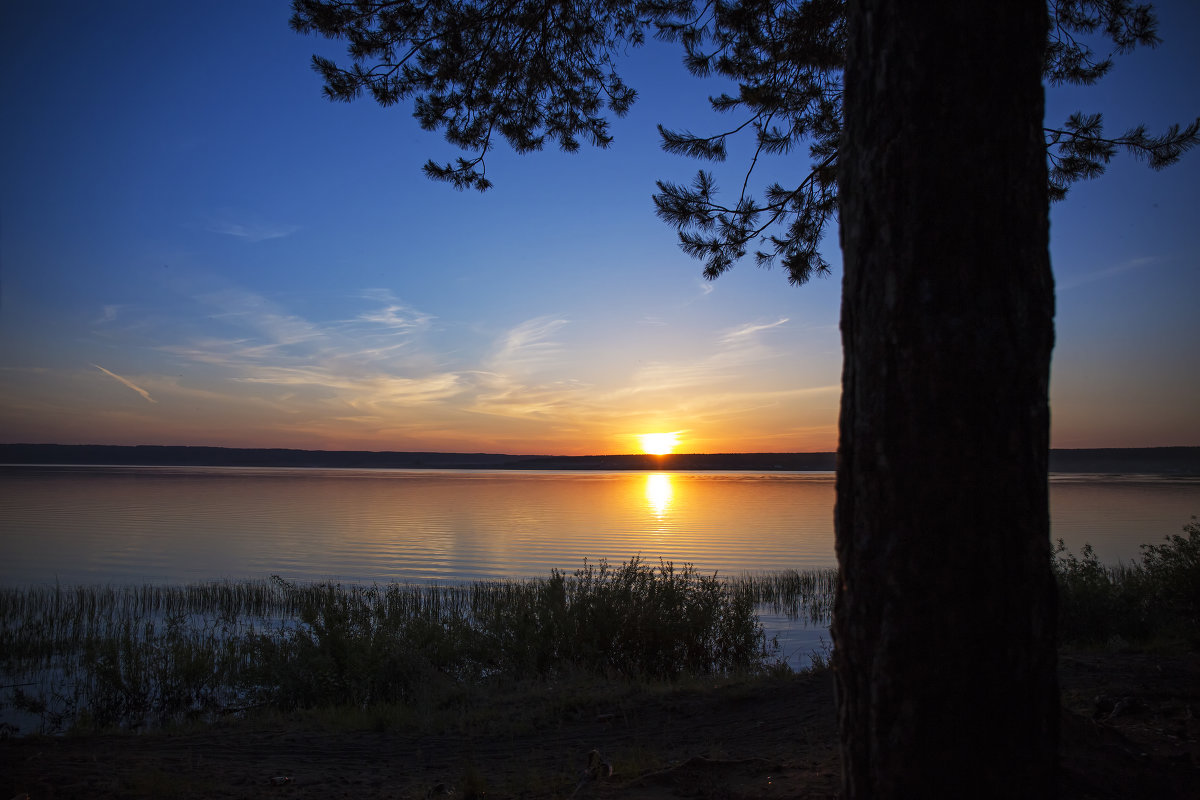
[(185, 524), (172, 525)]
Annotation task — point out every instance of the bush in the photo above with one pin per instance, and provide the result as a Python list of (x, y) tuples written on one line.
[(1171, 576), (1156, 598)]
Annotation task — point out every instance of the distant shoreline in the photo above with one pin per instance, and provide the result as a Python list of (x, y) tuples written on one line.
[(1184, 461)]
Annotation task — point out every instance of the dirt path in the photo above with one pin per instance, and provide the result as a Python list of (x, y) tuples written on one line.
[(769, 738)]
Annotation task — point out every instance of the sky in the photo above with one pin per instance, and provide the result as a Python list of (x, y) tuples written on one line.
[(197, 248)]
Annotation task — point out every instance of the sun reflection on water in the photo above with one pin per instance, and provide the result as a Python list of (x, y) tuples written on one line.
[(659, 493)]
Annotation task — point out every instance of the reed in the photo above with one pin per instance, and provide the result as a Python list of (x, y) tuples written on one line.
[(130, 656), (804, 595)]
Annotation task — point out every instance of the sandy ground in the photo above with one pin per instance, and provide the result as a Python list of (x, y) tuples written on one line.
[(1131, 728)]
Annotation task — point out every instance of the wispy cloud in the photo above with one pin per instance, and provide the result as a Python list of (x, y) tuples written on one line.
[(127, 383), (528, 347), (252, 232), (525, 375), (364, 366), (386, 369), (705, 289), (109, 314), (732, 352), (397, 317), (363, 391), (1108, 272), (749, 329), (504, 396)]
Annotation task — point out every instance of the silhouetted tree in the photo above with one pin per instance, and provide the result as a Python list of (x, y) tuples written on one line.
[(933, 149), (944, 626)]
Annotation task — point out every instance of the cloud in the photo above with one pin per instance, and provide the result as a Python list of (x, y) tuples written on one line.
[(110, 314), (527, 347), (500, 395), (369, 364), (365, 391), (257, 331), (750, 328), (705, 289), (388, 326), (384, 367), (252, 232), (523, 377), (1108, 272), (397, 317), (734, 350), (127, 382)]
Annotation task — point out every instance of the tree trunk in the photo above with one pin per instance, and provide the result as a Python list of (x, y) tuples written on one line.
[(944, 622)]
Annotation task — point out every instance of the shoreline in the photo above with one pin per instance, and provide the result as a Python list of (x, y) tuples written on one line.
[(1181, 461)]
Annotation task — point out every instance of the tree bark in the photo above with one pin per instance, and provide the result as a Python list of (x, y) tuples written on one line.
[(944, 621)]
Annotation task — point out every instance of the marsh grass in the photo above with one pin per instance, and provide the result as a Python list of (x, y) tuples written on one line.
[(806, 596), (125, 657), (103, 657)]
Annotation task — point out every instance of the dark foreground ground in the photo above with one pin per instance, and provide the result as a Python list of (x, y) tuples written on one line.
[(1131, 728)]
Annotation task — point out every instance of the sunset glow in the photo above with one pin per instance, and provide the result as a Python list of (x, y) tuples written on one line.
[(169, 278), (659, 444)]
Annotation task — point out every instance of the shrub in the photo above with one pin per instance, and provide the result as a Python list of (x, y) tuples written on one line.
[(1157, 597), (1171, 574)]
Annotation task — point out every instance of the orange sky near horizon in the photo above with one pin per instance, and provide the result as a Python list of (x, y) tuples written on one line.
[(183, 264)]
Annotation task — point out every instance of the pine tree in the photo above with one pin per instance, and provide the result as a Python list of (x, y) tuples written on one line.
[(944, 622)]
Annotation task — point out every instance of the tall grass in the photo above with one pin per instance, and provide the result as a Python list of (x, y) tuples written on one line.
[(128, 656), (804, 595), (122, 656)]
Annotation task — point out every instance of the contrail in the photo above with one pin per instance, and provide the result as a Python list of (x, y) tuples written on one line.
[(128, 383)]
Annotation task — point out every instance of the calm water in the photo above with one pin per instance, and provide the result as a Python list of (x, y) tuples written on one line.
[(135, 524)]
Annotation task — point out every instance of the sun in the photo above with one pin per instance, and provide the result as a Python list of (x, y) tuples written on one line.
[(659, 444)]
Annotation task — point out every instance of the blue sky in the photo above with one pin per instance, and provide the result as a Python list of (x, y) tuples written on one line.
[(197, 248)]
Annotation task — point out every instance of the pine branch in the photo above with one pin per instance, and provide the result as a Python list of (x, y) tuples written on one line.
[(685, 143), (531, 72), (1080, 151)]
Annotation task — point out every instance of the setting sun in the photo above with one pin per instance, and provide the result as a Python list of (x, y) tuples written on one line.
[(659, 444)]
